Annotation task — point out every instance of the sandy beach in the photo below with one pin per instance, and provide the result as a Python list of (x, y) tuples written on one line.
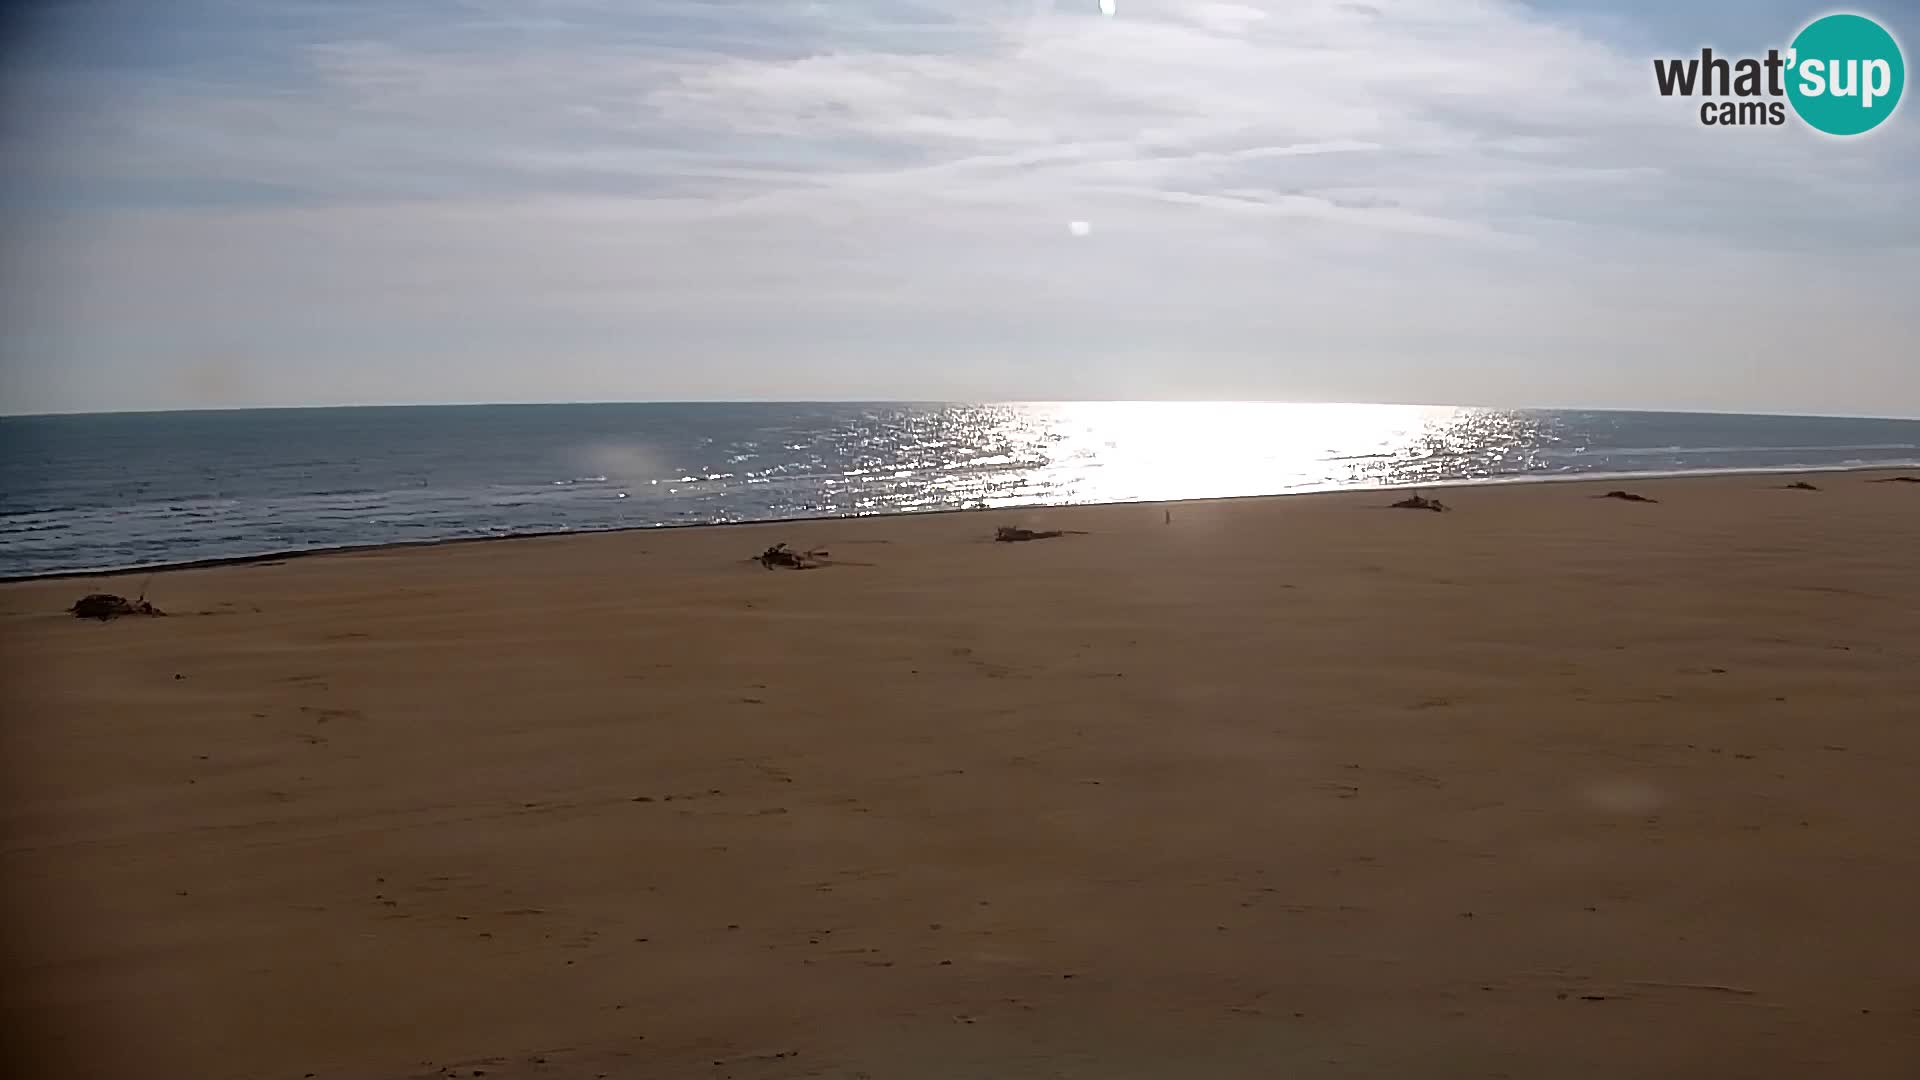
[(1547, 786)]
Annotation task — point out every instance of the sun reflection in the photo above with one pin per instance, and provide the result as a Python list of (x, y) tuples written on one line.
[(889, 458), (1120, 451)]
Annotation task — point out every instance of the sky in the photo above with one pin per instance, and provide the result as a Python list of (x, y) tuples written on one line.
[(227, 203)]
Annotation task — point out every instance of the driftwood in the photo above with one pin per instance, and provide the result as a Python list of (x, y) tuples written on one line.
[(1417, 501), (780, 555), (104, 606), (1008, 534), (1896, 480), (1626, 496), (1800, 485)]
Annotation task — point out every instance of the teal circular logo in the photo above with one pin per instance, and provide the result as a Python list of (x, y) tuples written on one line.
[(1845, 74)]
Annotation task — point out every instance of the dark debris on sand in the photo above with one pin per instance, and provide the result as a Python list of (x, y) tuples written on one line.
[(104, 606), (1417, 501), (1009, 534), (1626, 496), (1896, 480), (1800, 485), (781, 556)]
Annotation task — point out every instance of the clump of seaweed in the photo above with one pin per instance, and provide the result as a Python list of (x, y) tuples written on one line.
[(780, 556), (104, 606)]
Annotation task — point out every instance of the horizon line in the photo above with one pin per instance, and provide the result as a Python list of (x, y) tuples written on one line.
[(942, 403)]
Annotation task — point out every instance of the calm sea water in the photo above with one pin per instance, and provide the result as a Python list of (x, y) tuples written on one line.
[(122, 490)]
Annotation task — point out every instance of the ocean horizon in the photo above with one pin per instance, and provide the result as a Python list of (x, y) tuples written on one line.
[(928, 403), (97, 492)]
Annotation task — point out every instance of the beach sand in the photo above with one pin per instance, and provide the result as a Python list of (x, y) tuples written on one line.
[(1549, 786)]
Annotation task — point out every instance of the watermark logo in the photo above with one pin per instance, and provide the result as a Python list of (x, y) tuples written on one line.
[(1842, 75)]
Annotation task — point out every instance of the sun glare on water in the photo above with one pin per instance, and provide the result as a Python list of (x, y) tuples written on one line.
[(1119, 451)]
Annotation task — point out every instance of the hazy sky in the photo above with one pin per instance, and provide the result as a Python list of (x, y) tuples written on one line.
[(236, 202)]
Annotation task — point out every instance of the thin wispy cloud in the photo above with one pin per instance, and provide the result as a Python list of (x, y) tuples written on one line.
[(1408, 199)]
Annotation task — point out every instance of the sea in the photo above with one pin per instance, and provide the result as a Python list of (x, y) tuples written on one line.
[(124, 490)]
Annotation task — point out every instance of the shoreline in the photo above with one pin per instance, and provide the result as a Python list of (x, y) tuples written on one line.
[(283, 555)]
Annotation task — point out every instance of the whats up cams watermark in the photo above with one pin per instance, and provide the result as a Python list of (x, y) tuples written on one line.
[(1842, 74)]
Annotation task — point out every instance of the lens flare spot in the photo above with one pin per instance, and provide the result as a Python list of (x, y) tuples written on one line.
[(1622, 796)]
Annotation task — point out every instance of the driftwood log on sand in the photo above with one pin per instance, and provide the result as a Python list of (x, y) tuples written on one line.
[(1896, 480), (1417, 501), (1009, 534), (1626, 496), (1800, 485)]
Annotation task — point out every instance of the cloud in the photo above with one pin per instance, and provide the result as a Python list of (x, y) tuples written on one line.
[(994, 103), (638, 184)]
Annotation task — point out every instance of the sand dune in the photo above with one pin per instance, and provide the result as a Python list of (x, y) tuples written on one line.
[(1546, 786)]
